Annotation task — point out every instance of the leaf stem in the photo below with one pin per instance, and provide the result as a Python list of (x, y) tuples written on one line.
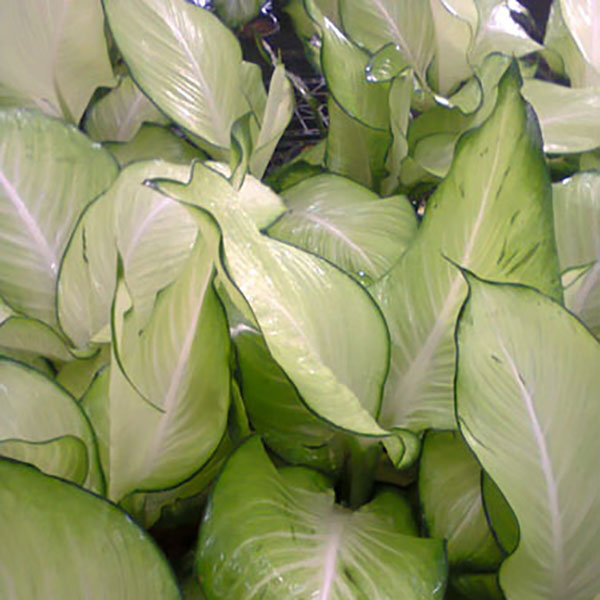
[(359, 473)]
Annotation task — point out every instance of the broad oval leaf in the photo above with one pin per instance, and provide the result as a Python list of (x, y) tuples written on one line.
[(49, 172), (302, 305), (309, 547), (527, 400), (407, 24), (451, 500), (169, 46), (493, 213), (58, 55), (569, 118), (347, 224), (118, 116), (152, 235), (84, 546), (36, 410), (178, 361)]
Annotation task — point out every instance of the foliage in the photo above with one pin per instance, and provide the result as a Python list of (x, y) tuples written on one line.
[(371, 372)]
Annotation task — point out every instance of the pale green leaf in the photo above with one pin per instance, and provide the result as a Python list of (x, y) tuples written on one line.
[(154, 142), (65, 457), (54, 55), (347, 224), (560, 43), (450, 495), (576, 203), (67, 543), (152, 235), (577, 227), (185, 59), (355, 150), (582, 18), (492, 213), (118, 116), (302, 305), (23, 334), (179, 361), (276, 116), (237, 12), (36, 410), (407, 24), (76, 376), (569, 117), (49, 172), (309, 547), (277, 412), (526, 391)]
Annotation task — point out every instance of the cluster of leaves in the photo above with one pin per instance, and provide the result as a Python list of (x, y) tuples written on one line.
[(307, 350)]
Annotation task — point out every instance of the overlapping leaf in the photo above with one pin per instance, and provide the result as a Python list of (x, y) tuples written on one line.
[(308, 545), (493, 213), (526, 391), (67, 543), (49, 172)]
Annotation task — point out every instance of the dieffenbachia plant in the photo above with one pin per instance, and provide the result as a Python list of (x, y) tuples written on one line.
[(370, 372)]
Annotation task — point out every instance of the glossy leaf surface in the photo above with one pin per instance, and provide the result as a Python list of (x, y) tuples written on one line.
[(58, 55), (347, 224), (527, 406), (309, 546), (493, 213), (118, 116), (300, 303), (168, 46), (37, 411), (450, 494), (78, 545), (49, 172)]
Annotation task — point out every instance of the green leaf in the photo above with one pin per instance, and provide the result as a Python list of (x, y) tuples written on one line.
[(35, 410), (84, 546), (169, 46), (347, 224), (152, 235), (119, 115), (153, 142), (576, 203), (526, 391), (407, 24), (501, 518), (275, 118), (171, 506), (65, 457), (569, 118), (492, 213), (179, 361), (58, 55), (76, 376), (477, 586), (237, 12), (577, 227), (309, 546), (583, 22), (450, 494), (23, 334), (344, 66), (563, 53), (355, 150), (302, 305), (49, 172), (277, 411)]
